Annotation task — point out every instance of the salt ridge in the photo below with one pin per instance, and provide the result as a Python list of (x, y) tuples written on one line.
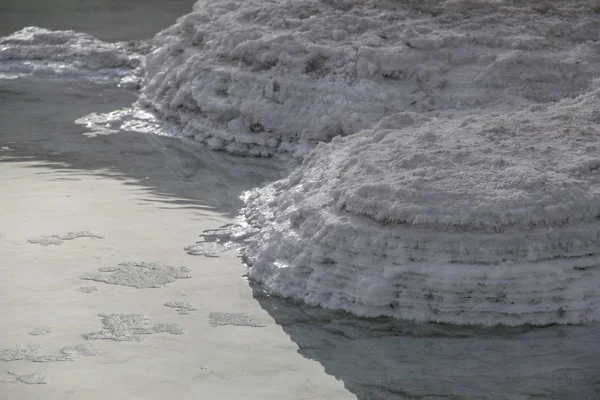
[(263, 78), (424, 222), (461, 181)]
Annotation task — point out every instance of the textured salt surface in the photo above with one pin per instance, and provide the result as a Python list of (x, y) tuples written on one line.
[(35, 354), (238, 319), (121, 120), (59, 239), (85, 349), (129, 327), (28, 379), (214, 241), (181, 307), (474, 220), (208, 249), (41, 331), (462, 186), (259, 78), (19, 353), (38, 52), (140, 275)]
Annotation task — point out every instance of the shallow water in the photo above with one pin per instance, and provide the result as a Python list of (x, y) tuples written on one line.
[(37, 121), (208, 334)]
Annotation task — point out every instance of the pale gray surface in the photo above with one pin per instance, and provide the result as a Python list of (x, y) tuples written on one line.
[(43, 290)]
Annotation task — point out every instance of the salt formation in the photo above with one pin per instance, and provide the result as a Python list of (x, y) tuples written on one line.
[(34, 353), (259, 78), (236, 319), (461, 184), (212, 242), (60, 239), (482, 219), (27, 379), (139, 275), (129, 327), (182, 307), (38, 52)]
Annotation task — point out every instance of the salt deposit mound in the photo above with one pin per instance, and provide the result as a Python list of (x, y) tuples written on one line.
[(460, 182), (481, 219), (256, 77), (41, 53)]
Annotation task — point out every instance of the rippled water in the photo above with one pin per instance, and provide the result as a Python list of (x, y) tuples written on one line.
[(37, 121)]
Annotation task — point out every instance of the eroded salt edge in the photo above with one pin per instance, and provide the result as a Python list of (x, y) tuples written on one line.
[(418, 220), (256, 78)]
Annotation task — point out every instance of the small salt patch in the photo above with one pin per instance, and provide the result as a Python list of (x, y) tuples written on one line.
[(41, 331), (237, 319), (129, 327), (139, 275), (59, 239)]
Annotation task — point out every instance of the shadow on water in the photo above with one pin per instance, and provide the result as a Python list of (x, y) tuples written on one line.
[(384, 359), (36, 124)]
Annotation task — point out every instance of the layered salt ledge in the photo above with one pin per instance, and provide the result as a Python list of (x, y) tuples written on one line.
[(476, 220), (41, 53), (259, 78)]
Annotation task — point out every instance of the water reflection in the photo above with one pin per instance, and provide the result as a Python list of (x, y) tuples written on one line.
[(167, 170), (383, 359)]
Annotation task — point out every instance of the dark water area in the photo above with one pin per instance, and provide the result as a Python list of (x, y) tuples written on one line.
[(385, 359), (108, 20), (37, 123)]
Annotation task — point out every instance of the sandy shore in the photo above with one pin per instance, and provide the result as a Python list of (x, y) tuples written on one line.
[(45, 310)]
